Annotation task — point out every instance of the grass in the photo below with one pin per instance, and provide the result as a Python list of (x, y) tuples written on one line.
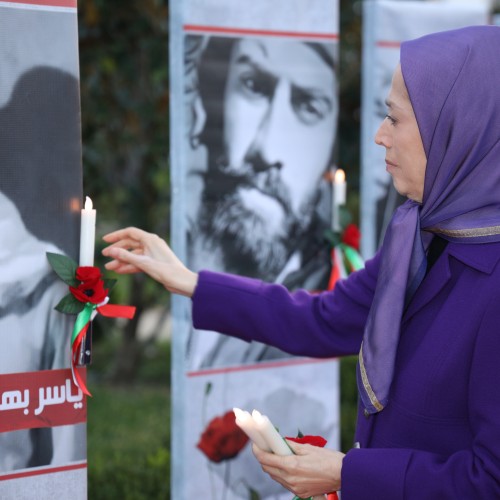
[(128, 439)]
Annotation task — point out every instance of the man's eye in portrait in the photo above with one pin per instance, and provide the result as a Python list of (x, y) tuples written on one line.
[(256, 84), (310, 107)]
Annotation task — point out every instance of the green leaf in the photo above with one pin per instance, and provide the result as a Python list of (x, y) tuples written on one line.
[(331, 237), (64, 267), (299, 434), (253, 494), (109, 284), (69, 305), (208, 388)]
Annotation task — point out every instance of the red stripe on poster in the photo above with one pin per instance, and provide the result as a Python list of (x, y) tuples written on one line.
[(43, 470), (257, 366), (40, 399), (46, 3), (193, 28), (388, 44)]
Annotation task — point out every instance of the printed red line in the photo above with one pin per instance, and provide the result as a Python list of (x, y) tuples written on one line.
[(247, 31), (41, 471), (46, 3), (388, 44), (257, 366)]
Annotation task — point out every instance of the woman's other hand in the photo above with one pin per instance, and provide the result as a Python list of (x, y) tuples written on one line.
[(134, 250), (311, 471)]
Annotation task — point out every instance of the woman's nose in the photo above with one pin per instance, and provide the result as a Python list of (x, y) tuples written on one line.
[(382, 137)]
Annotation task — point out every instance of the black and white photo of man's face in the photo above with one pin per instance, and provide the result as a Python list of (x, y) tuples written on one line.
[(279, 124)]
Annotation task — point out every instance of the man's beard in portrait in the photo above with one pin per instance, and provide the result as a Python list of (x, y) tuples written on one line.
[(249, 242)]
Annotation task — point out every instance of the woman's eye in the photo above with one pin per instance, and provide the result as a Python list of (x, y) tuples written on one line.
[(391, 119)]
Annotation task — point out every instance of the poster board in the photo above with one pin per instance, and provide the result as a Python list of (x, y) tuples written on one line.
[(42, 416), (253, 126)]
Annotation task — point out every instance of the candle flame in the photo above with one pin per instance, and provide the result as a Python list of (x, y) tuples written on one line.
[(339, 176), (74, 204), (88, 203)]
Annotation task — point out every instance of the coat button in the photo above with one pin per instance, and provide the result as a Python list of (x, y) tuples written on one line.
[(366, 413)]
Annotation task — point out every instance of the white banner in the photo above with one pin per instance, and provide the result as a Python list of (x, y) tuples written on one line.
[(42, 448), (254, 122), (387, 23)]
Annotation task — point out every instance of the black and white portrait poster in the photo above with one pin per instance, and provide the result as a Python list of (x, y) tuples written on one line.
[(387, 23), (42, 433), (254, 122)]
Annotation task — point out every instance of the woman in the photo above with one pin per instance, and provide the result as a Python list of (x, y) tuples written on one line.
[(423, 314)]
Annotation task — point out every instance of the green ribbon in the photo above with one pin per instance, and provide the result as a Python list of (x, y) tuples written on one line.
[(82, 319), (352, 257)]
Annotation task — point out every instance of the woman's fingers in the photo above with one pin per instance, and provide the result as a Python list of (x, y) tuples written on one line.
[(128, 232), (125, 243), (124, 256), (121, 268)]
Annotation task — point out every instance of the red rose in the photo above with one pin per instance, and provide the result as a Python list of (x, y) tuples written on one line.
[(91, 288), (222, 439), (313, 440), (88, 274), (351, 236)]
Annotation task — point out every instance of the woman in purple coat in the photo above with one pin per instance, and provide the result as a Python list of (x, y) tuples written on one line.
[(424, 314)]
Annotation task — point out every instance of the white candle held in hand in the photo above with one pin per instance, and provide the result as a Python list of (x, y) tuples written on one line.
[(270, 434), (246, 423), (87, 234)]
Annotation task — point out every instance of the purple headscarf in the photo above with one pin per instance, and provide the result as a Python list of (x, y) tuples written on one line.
[(453, 80)]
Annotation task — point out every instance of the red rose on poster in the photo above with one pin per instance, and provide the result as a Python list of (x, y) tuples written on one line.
[(222, 439), (351, 236), (91, 289)]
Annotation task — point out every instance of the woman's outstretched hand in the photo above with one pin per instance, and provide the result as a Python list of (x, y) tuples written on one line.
[(311, 471), (134, 250)]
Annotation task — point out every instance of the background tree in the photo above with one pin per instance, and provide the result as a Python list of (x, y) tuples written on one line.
[(125, 133)]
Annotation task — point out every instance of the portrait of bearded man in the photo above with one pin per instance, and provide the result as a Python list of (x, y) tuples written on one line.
[(263, 118)]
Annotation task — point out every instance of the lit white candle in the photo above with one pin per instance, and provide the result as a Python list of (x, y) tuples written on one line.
[(270, 434), (273, 438), (247, 424), (87, 234), (338, 197)]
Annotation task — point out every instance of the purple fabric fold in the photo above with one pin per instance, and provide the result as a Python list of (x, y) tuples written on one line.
[(452, 79)]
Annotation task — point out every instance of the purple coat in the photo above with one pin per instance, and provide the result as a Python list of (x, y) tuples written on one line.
[(439, 437)]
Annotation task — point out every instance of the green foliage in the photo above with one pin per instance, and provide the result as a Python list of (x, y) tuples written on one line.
[(125, 134), (69, 305), (349, 402), (129, 429), (124, 94), (350, 99), (64, 267)]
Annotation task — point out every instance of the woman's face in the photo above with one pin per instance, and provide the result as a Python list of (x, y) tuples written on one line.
[(405, 156)]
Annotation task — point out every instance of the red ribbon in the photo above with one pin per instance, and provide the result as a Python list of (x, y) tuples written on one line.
[(335, 272), (75, 351), (109, 311), (114, 311)]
